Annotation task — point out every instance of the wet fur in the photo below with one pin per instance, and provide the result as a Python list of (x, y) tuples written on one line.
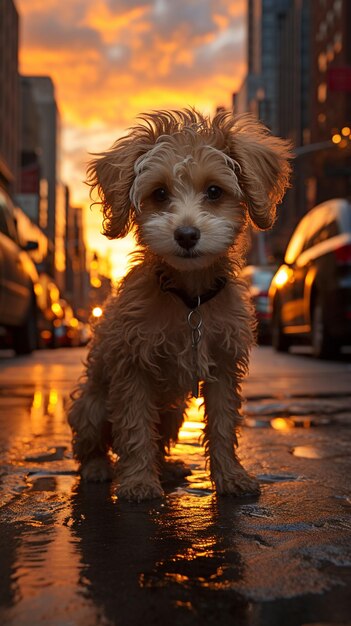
[(137, 380)]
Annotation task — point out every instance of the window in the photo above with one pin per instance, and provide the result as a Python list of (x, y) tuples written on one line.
[(322, 92), (322, 62), (337, 43), (323, 226)]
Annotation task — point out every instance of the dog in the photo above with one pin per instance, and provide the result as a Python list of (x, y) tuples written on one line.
[(181, 323)]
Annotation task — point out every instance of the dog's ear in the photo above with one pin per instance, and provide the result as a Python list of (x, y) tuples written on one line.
[(264, 162), (111, 173)]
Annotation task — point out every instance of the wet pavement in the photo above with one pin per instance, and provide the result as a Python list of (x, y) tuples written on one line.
[(73, 554)]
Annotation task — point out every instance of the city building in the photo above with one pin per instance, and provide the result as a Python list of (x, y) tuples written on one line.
[(323, 164), (61, 210), (30, 174), (331, 68), (298, 83), (43, 92), (9, 96), (293, 107), (259, 93), (100, 283), (41, 169), (28, 194), (77, 276)]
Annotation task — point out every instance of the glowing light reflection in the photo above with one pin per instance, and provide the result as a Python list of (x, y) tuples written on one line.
[(282, 276), (46, 404), (282, 423)]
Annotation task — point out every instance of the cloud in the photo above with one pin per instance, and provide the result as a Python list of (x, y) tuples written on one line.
[(118, 6), (44, 32)]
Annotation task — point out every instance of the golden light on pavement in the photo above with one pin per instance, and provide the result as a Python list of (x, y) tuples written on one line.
[(282, 423), (193, 425), (37, 399), (191, 430)]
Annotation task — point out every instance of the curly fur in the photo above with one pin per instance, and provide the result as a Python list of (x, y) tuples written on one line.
[(139, 368)]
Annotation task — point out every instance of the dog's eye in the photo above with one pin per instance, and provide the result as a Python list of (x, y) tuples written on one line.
[(213, 192), (160, 194)]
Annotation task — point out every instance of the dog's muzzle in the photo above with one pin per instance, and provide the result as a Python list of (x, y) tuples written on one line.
[(187, 236)]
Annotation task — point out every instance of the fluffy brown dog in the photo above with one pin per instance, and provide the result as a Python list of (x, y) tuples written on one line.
[(190, 187)]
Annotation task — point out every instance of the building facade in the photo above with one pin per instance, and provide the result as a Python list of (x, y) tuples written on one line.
[(77, 276), (299, 85), (43, 91), (259, 93), (331, 68), (9, 96), (28, 195), (51, 192)]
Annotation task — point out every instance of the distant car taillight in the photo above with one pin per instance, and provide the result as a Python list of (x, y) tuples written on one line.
[(343, 254)]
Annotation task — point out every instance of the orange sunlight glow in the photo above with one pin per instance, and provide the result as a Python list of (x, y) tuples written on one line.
[(110, 62)]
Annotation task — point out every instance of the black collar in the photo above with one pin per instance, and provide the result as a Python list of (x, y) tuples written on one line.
[(189, 301)]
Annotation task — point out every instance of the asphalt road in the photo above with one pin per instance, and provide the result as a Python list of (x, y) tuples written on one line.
[(73, 554)]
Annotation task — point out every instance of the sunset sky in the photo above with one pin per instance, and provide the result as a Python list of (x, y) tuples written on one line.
[(113, 59)]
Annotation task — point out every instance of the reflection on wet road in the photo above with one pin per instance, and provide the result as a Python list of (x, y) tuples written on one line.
[(72, 553)]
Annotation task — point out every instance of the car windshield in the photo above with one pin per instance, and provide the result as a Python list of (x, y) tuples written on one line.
[(317, 220), (297, 240)]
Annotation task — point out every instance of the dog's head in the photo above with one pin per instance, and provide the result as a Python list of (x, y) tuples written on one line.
[(190, 185)]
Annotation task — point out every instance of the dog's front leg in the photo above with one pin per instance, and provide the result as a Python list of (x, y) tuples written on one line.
[(134, 418), (222, 406)]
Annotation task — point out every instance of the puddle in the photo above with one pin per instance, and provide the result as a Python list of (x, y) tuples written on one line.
[(292, 527), (252, 510), (279, 478), (58, 454), (201, 493), (298, 412), (310, 452)]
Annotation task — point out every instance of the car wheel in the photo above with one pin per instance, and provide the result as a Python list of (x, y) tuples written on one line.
[(323, 345), (280, 341), (25, 337)]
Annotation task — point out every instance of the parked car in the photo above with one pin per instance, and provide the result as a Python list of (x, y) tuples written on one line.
[(258, 278), (310, 295), (18, 276)]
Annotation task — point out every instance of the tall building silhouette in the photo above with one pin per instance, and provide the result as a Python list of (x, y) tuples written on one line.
[(299, 84), (9, 96)]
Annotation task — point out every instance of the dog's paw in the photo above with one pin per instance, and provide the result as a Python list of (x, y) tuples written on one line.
[(138, 492), (242, 484), (97, 470)]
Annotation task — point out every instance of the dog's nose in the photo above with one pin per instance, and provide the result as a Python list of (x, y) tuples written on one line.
[(187, 236)]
